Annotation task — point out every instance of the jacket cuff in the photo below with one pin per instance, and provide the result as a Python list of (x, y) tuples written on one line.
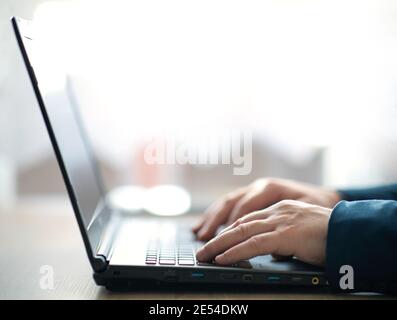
[(387, 192), (362, 234)]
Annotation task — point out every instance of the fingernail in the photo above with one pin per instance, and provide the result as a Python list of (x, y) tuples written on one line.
[(220, 259)]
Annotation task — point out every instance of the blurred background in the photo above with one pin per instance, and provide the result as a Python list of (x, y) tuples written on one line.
[(314, 81)]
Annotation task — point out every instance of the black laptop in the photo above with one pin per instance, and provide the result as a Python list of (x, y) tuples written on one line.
[(127, 250)]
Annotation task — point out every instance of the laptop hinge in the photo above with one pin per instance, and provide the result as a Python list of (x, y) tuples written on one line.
[(108, 237), (99, 263)]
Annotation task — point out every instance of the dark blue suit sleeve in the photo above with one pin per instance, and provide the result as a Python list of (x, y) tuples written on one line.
[(363, 234), (388, 192)]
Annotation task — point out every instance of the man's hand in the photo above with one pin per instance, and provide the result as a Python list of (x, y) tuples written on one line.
[(288, 228), (259, 195)]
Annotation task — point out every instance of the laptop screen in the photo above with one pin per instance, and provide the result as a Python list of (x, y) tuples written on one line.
[(79, 168), (74, 149)]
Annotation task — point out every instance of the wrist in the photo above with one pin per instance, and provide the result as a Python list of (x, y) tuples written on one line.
[(334, 198)]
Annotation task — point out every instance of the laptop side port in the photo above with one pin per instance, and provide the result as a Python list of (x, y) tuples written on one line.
[(197, 275), (315, 281), (273, 279), (247, 277)]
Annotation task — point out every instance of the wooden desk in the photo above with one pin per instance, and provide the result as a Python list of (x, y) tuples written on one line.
[(43, 231)]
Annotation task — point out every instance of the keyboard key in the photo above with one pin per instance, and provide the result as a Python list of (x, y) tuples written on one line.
[(170, 251), (186, 262), (167, 261)]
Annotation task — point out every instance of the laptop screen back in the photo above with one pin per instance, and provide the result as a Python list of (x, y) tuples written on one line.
[(78, 166)]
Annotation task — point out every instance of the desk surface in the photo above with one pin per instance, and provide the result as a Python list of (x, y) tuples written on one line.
[(43, 232)]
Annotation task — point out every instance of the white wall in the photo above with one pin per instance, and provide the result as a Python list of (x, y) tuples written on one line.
[(22, 135), (303, 73)]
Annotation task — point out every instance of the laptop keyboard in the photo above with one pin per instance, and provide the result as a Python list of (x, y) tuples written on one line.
[(177, 247), (180, 254), (179, 251)]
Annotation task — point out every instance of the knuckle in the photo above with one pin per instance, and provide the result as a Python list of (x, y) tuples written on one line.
[(285, 231), (235, 224), (263, 184), (255, 243), (241, 230), (272, 183), (298, 215), (238, 222), (287, 204)]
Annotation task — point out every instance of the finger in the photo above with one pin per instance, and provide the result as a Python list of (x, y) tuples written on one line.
[(229, 239), (219, 215), (256, 215), (248, 203), (207, 231), (261, 214), (214, 207), (258, 198), (199, 224), (204, 218), (266, 243)]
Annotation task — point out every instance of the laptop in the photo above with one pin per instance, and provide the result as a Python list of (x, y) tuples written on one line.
[(130, 251)]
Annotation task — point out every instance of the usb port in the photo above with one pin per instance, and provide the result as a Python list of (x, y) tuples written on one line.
[(197, 275), (273, 278)]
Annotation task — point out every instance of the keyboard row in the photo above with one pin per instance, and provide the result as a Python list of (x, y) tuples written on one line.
[(182, 255)]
